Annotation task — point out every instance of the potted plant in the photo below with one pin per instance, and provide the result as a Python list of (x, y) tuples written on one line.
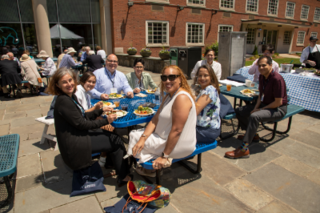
[(132, 50), (145, 52), (164, 54)]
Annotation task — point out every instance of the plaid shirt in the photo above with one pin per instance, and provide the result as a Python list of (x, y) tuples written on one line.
[(49, 67)]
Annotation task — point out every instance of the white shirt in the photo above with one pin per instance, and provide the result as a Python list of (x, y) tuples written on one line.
[(83, 97), (49, 68), (216, 66), (307, 50), (102, 53)]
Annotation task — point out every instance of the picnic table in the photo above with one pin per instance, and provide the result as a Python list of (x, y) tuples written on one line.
[(303, 90), (235, 92)]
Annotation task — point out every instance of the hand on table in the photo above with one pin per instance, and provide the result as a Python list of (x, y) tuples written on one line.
[(138, 147), (312, 63), (254, 110), (159, 163), (137, 90), (104, 97), (130, 94), (111, 118)]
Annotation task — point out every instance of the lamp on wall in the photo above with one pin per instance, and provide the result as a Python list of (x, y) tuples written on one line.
[(130, 4), (180, 8)]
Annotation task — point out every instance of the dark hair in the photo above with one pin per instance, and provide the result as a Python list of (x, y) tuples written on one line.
[(209, 50), (268, 47), (53, 88), (213, 77), (85, 77), (137, 60), (98, 48), (269, 60)]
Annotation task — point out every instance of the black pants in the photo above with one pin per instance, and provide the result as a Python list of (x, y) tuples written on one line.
[(111, 143)]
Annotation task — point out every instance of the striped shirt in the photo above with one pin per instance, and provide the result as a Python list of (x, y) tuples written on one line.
[(49, 67), (67, 61)]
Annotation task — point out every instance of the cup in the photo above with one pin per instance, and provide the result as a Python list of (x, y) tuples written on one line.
[(229, 87), (116, 102), (248, 83), (124, 107), (253, 84)]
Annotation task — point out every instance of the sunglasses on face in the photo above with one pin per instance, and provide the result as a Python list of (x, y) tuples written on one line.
[(171, 77)]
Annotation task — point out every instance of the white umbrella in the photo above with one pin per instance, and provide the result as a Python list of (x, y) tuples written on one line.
[(65, 33)]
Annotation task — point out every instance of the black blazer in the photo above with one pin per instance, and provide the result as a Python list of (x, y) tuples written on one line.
[(7, 66), (72, 131), (94, 62)]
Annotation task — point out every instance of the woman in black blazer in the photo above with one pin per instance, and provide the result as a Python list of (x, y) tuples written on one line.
[(76, 141)]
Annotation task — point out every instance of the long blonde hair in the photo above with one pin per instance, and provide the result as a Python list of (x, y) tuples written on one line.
[(184, 83)]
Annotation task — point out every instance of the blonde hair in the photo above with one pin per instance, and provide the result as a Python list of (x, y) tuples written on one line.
[(184, 83)]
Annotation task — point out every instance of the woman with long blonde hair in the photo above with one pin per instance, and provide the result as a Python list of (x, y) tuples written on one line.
[(172, 131)]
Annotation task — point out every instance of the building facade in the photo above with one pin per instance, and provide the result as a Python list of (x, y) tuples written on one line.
[(116, 25)]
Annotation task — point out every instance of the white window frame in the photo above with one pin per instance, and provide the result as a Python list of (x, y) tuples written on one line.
[(269, 14), (224, 8), (255, 12), (314, 33), (302, 11), (196, 5), (158, 44), (223, 25), (314, 15), (290, 35), (203, 30), (294, 8), (304, 36), (159, 1)]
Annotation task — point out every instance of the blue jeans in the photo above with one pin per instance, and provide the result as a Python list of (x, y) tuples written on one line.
[(206, 134)]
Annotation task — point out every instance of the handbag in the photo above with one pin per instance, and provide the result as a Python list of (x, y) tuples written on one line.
[(39, 79), (147, 194), (87, 180)]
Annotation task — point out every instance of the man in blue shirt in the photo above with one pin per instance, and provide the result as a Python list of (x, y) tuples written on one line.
[(67, 60), (85, 54), (108, 77)]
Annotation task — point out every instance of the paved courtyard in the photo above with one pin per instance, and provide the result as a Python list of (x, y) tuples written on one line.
[(280, 176)]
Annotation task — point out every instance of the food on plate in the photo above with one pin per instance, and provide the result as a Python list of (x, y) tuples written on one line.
[(119, 113), (247, 91), (143, 110), (317, 72), (105, 103), (115, 95), (151, 90), (220, 85)]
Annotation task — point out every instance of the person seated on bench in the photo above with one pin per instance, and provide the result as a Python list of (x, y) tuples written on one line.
[(208, 105), (271, 106), (73, 125), (172, 131), (29, 72)]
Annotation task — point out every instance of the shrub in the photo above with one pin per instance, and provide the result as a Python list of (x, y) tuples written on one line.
[(255, 51), (215, 47)]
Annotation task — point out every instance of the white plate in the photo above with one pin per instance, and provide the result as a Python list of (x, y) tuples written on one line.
[(121, 115), (149, 91), (116, 97), (144, 114), (112, 105)]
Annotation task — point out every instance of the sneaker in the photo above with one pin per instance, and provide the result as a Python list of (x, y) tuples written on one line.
[(256, 138), (145, 172)]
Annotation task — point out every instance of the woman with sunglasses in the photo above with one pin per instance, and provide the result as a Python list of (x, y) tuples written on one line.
[(208, 104), (172, 131), (139, 80)]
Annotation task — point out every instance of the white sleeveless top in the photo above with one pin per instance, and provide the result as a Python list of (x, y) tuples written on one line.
[(156, 142)]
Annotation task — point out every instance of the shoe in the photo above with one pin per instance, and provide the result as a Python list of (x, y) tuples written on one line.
[(19, 93), (238, 153), (144, 172), (256, 138), (122, 183)]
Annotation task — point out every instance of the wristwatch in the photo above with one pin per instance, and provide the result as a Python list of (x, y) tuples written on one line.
[(164, 155), (143, 135)]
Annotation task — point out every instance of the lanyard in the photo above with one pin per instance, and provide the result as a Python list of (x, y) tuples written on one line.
[(81, 108), (316, 47), (112, 81)]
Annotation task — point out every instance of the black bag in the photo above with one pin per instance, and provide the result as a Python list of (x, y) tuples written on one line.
[(87, 180)]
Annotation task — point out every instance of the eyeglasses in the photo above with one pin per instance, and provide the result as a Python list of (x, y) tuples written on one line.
[(171, 77), (112, 61), (139, 67)]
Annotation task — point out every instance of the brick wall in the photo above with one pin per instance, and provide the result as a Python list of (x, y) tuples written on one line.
[(129, 24)]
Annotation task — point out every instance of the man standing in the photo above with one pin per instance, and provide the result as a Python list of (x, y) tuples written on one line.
[(270, 106), (109, 80), (67, 60), (311, 54)]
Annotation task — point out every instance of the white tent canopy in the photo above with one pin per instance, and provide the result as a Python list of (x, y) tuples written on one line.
[(65, 33)]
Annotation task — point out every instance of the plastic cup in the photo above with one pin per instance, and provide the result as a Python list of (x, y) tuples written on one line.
[(253, 84), (124, 107), (117, 103), (229, 87)]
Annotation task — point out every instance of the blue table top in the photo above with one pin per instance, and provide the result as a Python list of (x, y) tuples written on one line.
[(235, 92), (131, 119), (39, 60), (8, 154)]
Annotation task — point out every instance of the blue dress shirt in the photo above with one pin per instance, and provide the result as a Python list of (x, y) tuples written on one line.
[(67, 61), (83, 56), (104, 84)]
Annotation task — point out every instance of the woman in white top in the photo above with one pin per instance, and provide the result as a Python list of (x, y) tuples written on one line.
[(49, 68), (101, 52), (172, 131), (216, 66)]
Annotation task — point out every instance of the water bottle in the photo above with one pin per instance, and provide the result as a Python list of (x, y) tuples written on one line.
[(157, 97)]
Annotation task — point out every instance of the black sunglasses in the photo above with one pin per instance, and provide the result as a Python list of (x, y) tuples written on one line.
[(171, 77)]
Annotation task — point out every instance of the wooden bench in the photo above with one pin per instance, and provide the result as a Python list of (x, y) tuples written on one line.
[(200, 148)]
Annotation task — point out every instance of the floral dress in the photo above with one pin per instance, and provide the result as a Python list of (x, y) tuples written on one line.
[(209, 116)]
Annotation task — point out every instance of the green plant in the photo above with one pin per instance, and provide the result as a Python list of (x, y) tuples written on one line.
[(299, 54), (164, 51), (215, 47), (132, 49), (147, 50), (252, 58), (255, 51), (256, 56)]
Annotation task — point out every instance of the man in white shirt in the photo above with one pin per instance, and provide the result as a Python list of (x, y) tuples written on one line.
[(216, 66), (311, 54)]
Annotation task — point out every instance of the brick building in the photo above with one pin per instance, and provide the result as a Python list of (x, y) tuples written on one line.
[(287, 24)]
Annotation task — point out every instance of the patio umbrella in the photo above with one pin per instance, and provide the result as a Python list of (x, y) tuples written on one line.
[(65, 33)]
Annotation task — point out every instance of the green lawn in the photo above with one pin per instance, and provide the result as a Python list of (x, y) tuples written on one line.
[(280, 61)]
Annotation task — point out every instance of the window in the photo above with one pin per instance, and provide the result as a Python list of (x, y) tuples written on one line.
[(273, 7), (157, 32), (314, 34), (304, 12), (227, 4), (197, 2), (225, 28), (300, 39), (316, 14), (251, 36), (195, 33), (287, 37), (252, 6), (290, 9)]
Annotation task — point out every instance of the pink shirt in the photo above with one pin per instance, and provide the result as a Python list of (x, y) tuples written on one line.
[(254, 69)]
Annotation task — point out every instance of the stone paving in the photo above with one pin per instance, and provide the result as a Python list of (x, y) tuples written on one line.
[(280, 176)]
